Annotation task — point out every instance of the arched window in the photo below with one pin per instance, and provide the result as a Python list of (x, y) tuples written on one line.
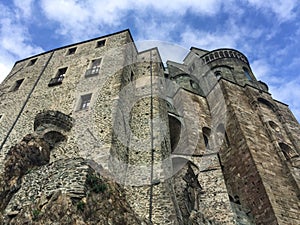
[(175, 130), (218, 73), (274, 126), (288, 151), (267, 103), (206, 133), (194, 85), (247, 73)]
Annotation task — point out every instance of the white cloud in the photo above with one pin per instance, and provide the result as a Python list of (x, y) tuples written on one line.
[(15, 42), (289, 93), (25, 6), (283, 9), (208, 40), (89, 17)]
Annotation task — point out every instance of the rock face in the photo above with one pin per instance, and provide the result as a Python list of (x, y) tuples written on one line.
[(67, 191)]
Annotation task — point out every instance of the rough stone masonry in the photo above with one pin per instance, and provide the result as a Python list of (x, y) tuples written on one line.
[(99, 133)]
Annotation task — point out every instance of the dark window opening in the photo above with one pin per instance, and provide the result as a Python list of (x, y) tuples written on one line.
[(18, 84), (32, 62), (57, 80), (175, 130), (131, 76), (218, 73), (72, 51), (206, 133), (274, 126), (247, 73), (100, 43), (94, 69), (288, 151), (194, 85), (85, 101), (266, 103)]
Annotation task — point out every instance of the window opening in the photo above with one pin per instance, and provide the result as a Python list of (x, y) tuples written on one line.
[(206, 133), (32, 62), (100, 43), (218, 73), (85, 101), (131, 76), (247, 74), (18, 84), (59, 77), (71, 51), (94, 69), (288, 151), (194, 85)]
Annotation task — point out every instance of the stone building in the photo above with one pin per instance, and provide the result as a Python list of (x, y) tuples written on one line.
[(99, 133)]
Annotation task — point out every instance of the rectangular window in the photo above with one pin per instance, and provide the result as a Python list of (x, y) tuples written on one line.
[(71, 51), (94, 69), (100, 43), (85, 101), (17, 85), (57, 80), (32, 62)]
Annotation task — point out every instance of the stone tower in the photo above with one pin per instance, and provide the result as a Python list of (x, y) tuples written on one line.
[(99, 133)]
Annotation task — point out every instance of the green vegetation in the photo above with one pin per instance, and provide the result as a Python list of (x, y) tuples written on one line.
[(35, 214), (96, 184), (80, 205)]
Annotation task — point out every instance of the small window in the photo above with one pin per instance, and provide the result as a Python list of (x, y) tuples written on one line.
[(71, 51), (17, 84), (194, 85), (58, 78), (218, 73), (85, 101), (288, 151), (247, 74), (131, 76), (32, 62), (206, 133), (94, 69), (100, 43)]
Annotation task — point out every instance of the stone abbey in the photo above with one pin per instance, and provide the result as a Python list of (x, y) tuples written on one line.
[(99, 133)]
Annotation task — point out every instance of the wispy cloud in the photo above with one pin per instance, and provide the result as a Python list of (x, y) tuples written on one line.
[(283, 9)]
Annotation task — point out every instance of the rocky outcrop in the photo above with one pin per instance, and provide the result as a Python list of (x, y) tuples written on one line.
[(66, 191)]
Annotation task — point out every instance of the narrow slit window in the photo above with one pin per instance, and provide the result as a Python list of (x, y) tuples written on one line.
[(247, 74)]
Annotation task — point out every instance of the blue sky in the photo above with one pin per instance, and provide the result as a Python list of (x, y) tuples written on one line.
[(266, 31)]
